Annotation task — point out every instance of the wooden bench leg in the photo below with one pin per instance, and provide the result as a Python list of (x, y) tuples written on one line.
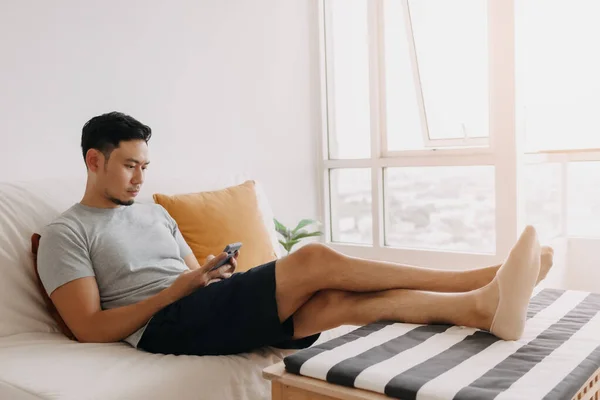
[(276, 391)]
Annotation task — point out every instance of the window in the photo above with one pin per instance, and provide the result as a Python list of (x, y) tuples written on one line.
[(543, 193), (349, 136), (436, 73), (351, 212), (426, 103), (443, 208), (557, 71), (557, 101)]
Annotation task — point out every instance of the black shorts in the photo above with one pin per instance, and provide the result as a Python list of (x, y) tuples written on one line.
[(235, 315)]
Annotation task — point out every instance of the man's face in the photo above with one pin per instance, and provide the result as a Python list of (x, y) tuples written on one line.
[(121, 178)]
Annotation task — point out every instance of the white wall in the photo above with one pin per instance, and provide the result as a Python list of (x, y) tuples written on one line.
[(224, 84)]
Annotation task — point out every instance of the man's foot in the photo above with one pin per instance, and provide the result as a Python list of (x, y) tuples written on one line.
[(546, 262), (504, 301)]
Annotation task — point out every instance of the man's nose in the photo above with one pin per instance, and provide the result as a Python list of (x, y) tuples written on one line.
[(138, 177)]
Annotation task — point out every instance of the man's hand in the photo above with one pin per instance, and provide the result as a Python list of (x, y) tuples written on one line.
[(191, 280), (230, 266)]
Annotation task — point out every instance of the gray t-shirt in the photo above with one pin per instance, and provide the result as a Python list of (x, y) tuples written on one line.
[(133, 251)]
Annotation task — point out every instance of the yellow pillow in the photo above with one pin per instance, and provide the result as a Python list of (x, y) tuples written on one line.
[(209, 221)]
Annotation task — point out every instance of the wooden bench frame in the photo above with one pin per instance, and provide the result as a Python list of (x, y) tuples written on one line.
[(287, 386)]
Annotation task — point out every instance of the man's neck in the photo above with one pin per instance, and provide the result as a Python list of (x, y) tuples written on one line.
[(92, 200)]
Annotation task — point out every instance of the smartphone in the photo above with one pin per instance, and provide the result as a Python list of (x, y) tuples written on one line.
[(230, 249)]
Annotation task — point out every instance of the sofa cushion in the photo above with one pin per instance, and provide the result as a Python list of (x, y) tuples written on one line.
[(49, 366), (210, 220), (62, 326), (25, 208)]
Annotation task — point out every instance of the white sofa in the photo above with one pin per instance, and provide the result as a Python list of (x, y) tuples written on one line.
[(38, 362)]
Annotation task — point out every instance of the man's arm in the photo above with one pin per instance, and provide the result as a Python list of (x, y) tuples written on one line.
[(78, 303)]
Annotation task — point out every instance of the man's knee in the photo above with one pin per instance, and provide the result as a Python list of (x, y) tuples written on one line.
[(315, 254)]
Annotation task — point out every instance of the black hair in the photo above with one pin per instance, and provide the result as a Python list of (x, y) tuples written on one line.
[(105, 132)]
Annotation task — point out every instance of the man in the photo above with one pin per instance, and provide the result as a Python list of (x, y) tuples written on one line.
[(117, 270)]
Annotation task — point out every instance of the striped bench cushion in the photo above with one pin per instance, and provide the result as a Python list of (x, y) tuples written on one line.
[(558, 354)]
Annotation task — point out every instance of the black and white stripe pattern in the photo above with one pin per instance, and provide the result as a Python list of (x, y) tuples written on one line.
[(559, 351)]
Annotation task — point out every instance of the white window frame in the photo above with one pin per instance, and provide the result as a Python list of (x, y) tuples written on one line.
[(502, 151)]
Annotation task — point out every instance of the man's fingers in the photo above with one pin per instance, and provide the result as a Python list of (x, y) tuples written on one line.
[(212, 261), (225, 270), (220, 273), (207, 262), (213, 281), (233, 264)]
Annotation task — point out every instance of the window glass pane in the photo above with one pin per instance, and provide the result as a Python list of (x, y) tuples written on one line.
[(542, 193), (441, 208), (348, 61), (403, 121), (558, 84), (450, 39), (351, 215), (452, 52), (583, 199)]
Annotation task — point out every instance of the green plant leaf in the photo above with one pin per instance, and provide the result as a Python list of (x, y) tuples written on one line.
[(305, 234), (287, 247), (291, 244), (280, 228), (304, 223)]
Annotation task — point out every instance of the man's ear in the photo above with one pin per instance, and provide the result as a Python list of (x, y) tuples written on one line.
[(93, 159)]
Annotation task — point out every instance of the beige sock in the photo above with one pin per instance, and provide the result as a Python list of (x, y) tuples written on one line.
[(516, 279)]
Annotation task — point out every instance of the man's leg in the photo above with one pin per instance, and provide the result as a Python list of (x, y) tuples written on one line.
[(329, 309), (318, 268)]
